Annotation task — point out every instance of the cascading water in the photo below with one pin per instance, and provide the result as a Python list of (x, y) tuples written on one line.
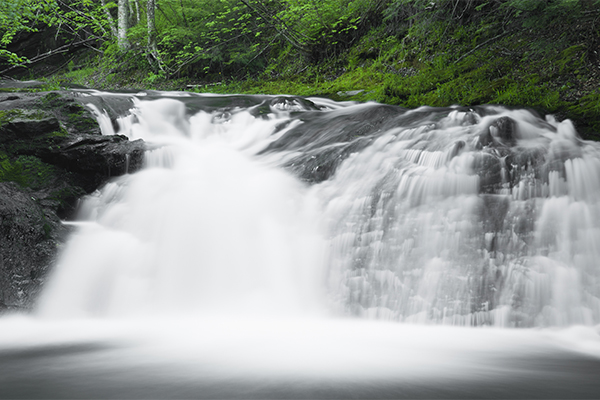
[(446, 216), (474, 219), (200, 229), (227, 266)]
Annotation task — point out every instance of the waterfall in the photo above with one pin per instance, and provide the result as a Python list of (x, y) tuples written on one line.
[(202, 229), (465, 221), (484, 216), (250, 255)]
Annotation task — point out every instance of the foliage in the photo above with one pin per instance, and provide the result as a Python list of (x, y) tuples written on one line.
[(17, 16), (540, 54), (82, 20), (538, 14)]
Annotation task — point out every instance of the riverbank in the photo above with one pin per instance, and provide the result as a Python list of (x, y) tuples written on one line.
[(508, 53)]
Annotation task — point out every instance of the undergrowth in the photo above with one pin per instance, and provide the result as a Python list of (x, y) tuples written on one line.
[(525, 53)]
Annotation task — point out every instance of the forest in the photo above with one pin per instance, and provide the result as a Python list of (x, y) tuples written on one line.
[(538, 54)]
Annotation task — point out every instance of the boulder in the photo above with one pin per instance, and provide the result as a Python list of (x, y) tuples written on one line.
[(504, 130), (23, 123)]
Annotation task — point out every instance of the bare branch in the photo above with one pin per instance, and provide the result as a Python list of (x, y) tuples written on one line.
[(481, 45), (59, 50)]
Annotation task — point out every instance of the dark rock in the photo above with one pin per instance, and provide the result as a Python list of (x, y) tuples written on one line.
[(320, 164), (504, 130), (9, 98), (52, 152), (525, 163), (324, 140), (105, 155), (484, 139), (30, 236), (494, 212), (489, 169), (457, 148), (339, 127), (76, 118), (20, 124)]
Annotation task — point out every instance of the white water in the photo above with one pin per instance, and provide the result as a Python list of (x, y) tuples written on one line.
[(213, 262), (202, 229), (411, 239)]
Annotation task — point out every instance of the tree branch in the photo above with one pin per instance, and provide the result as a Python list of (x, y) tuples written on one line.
[(58, 50), (283, 32), (481, 45)]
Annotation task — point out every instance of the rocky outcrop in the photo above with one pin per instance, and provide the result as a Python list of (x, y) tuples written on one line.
[(323, 141), (30, 235), (51, 153)]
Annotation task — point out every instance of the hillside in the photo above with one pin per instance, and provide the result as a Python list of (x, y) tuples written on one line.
[(526, 53)]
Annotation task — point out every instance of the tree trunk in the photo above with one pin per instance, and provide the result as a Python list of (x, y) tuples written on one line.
[(153, 55), (150, 11), (123, 15), (185, 22), (137, 11), (111, 21)]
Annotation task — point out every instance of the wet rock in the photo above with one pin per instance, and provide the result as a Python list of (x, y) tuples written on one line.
[(525, 164), (484, 139), (18, 124), (489, 169), (30, 235), (494, 212), (51, 153), (283, 103), (504, 130), (320, 165), (324, 140), (559, 153), (323, 129), (457, 148), (105, 155)]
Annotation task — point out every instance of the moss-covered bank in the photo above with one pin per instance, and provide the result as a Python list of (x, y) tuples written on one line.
[(553, 69), (524, 53)]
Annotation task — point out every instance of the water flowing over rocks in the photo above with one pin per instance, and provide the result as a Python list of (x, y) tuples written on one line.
[(51, 153), (463, 216), (256, 226), (320, 153)]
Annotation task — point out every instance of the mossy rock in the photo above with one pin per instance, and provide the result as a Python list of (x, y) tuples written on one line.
[(18, 124), (75, 117)]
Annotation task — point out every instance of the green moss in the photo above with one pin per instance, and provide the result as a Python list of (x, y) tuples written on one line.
[(27, 171), (8, 115), (80, 119), (76, 115), (571, 58), (587, 110), (62, 133), (52, 100), (66, 194)]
